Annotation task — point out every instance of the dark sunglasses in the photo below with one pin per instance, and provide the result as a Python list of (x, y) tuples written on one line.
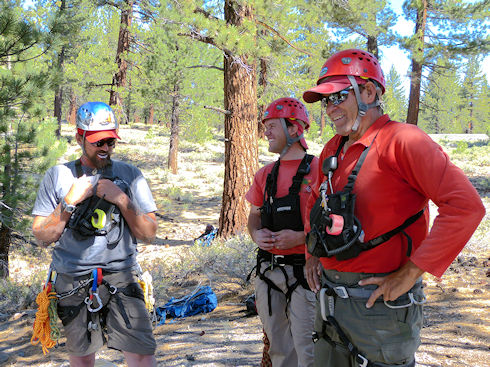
[(110, 143), (338, 97)]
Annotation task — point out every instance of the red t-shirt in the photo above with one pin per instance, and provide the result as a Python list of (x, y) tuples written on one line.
[(287, 170), (402, 171)]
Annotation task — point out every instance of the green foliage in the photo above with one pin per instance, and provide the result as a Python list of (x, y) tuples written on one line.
[(394, 98)]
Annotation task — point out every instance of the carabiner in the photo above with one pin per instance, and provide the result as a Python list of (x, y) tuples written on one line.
[(89, 301)]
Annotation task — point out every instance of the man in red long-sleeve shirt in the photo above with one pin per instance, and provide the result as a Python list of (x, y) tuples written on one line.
[(369, 309)]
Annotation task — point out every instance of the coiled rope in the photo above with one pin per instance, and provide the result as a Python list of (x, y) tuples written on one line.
[(45, 329)]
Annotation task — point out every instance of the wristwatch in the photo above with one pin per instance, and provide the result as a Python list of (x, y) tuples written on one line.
[(67, 207)]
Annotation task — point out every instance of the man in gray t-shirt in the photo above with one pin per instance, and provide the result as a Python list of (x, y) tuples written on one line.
[(94, 209)]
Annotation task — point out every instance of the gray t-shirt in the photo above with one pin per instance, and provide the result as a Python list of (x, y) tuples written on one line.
[(75, 255)]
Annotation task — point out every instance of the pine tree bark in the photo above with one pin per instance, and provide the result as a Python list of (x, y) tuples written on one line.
[(241, 148), (151, 115), (72, 111), (262, 105), (174, 130), (58, 94), (123, 43), (5, 238), (372, 45), (417, 58)]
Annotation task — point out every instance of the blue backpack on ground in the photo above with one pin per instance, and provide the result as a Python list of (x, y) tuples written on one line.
[(202, 300)]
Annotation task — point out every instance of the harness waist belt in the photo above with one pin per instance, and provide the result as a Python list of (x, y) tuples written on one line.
[(362, 292), (281, 260)]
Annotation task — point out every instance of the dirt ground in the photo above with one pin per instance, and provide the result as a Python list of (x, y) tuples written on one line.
[(456, 326)]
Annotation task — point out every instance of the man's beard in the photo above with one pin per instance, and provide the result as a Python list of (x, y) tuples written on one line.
[(98, 162)]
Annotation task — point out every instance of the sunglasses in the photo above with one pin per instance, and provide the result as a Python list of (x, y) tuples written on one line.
[(338, 97), (110, 143)]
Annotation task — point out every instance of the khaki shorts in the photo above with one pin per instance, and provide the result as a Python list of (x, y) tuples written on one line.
[(139, 339), (385, 336)]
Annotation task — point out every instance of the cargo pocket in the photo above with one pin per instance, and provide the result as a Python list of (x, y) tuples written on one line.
[(137, 313)]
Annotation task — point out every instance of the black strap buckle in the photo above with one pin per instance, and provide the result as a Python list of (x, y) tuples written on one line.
[(315, 336)]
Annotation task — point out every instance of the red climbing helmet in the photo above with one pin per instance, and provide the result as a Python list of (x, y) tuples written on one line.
[(288, 108), (292, 110), (333, 76)]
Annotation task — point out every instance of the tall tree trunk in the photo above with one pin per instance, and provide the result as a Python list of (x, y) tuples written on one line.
[(58, 94), (241, 148), (58, 103), (5, 233), (372, 45), (151, 114), (72, 112), (174, 130), (123, 43), (261, 104), (417, 63)]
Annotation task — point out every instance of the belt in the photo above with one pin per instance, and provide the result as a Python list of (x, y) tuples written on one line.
[(281, 260)]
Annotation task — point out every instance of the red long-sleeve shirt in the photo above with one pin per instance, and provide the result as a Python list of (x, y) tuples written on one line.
[(402, 171)]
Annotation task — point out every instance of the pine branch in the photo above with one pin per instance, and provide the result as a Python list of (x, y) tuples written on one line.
[(206, 66), (23, 238), (281, 37), (206, 14)]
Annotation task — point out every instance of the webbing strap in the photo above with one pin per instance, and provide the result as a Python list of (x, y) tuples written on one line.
[(271, 182), (386, 236), (303, 169), (296, 261)]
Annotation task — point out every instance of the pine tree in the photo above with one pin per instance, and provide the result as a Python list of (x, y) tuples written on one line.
[(442, 27), (394, 98), (474, 96), (21, 88), (441, 110)]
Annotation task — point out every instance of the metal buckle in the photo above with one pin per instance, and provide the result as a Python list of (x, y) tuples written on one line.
[(341, 292), (276, 262), (413, 301), (364, 360)]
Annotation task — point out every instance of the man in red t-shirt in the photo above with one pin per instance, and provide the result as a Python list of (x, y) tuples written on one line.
[(369, 220), (278, 195)]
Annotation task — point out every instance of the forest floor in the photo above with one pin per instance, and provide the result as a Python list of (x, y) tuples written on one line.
[(456, 324)]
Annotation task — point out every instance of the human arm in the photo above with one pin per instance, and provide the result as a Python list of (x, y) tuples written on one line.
[(48, 229), (142, 225), (261, 236)]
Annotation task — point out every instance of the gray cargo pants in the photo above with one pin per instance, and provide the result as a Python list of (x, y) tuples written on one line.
[(385, 336)]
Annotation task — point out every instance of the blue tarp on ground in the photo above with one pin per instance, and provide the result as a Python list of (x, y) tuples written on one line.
[(202, 300)]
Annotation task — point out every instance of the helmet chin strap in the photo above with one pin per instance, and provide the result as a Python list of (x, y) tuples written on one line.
[(83, 142), (361, 106), (289, 140)]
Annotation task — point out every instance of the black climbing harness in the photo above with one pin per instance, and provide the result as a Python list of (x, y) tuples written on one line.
[(335, 230), (96, 311), (278, 214)]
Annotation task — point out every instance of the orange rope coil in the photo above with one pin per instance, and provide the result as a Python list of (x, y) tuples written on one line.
[(45, 329)]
